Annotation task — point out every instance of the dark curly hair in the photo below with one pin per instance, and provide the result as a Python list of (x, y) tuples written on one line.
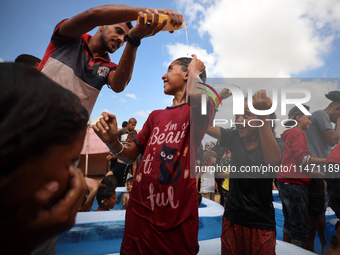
[(35, 114), (105, 192)]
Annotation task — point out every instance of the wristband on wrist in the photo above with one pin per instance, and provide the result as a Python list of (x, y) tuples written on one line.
[(134, 42), (115, 154)]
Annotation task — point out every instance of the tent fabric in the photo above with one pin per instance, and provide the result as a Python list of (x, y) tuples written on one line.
[(96, 146), (94, 152), (97, 164)]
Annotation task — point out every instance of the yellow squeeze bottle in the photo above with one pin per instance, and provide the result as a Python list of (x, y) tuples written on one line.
[(168, 26)]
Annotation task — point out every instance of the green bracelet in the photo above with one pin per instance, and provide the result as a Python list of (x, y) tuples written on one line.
[(118, 152), (216, 109)]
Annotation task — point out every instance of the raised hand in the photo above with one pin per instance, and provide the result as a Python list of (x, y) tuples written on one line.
[(106, 128), (225, 93), (261, 101), (196, 66), (176, 19), (146, 27)]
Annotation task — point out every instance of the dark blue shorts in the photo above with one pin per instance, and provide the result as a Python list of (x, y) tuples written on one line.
[(316, 197), (294, 199), (333, 186)]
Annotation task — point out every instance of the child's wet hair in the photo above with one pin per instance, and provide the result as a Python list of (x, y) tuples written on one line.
[(27, 60), (36, 114), (109, 180), (184, 62), (105, 192)]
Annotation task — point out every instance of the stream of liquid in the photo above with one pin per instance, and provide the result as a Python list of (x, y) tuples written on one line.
[(186, 35)]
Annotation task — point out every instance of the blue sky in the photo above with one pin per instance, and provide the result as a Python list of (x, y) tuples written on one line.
[(245, 38)]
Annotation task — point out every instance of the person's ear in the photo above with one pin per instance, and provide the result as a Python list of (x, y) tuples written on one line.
[(101, 28), (186, 75)]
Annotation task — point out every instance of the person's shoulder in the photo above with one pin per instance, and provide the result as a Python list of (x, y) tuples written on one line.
[(318, 114), (57, 36), (178, 107), (121, 131), (297, 135), (157, 112), (299, 132), (295, 131), (154, 116), (319, 119)]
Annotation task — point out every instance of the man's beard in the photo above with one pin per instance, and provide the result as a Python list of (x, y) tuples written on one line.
[(105, 45)]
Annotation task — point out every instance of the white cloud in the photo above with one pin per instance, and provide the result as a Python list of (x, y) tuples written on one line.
[(133, 96), (193, 10), (265, 38), (122, 100), (1, 60), (181, 50), (262, 38), (142, 113)]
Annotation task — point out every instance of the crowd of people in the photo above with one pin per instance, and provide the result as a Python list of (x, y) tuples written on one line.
[(248, 208), (45, 106)]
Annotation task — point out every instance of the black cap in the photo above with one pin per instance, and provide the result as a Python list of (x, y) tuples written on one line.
[(333, 96), (295, 111)]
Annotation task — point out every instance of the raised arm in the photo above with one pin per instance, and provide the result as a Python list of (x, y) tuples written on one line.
[(92, 188), (106, 15), (106, 129), (119, 79), (195, 68), (270, 149), (216, 131), (332, 135)]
